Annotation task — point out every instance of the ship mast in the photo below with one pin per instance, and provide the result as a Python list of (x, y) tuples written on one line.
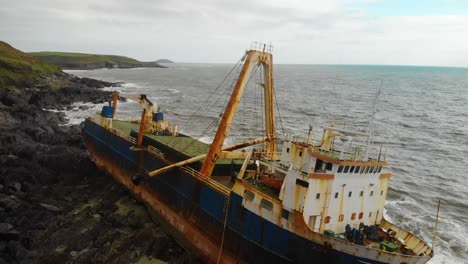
[(252, 58)]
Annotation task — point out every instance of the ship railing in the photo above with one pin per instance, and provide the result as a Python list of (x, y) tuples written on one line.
[(260, 46), (156, 151), (123, 135), (212, 183)]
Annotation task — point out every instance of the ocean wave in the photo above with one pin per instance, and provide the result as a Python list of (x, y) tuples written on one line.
[(173, 91)]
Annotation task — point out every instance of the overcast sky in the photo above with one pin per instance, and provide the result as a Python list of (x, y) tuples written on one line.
[(429, 32)]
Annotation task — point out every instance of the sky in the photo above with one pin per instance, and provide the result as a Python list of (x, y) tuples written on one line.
[(396, 32)]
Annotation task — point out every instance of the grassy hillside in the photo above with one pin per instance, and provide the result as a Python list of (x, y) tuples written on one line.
[(19, 69), (67, 60)]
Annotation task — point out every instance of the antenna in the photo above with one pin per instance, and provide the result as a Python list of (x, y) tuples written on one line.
[(308, 134), (371, 126), (435, 227)]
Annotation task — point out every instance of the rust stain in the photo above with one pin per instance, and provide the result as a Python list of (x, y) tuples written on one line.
[(188, 234), (323, 176), (385, 175)]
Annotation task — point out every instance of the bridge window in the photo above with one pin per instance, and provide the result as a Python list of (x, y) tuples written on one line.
[(317, 196), (327, 219), (346, 169), (248, 195), (361, 214), (340, 168), (285, 214), (356, 170), (362, 169), (351, 170), (329, 166), (341, 217), (380, 169), (266, 204), (353, 216), (366, 170)]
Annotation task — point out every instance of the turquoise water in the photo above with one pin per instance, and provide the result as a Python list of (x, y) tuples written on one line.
[(421, 121)]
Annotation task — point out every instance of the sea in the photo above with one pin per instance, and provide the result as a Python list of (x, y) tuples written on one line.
[(420, 118)]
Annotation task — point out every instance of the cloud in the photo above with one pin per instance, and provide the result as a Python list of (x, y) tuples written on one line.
[(335, 31)]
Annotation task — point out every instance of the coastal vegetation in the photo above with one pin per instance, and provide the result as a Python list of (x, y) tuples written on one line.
[(68, 60), (18, 69), (55, 207)]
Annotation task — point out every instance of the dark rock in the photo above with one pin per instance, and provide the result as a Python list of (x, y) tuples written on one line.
[(3, 245), (9, 202), (50, 207), (7, 232), (15, 187)]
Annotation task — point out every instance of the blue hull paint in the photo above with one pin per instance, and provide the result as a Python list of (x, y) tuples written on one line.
[(249, 237)]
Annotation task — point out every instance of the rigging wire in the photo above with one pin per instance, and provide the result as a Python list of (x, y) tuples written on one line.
[(279, 114), (208, 101)]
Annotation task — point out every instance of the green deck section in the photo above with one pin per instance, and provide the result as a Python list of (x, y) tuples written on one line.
[(125, 126), (185, 145), (188, 146)]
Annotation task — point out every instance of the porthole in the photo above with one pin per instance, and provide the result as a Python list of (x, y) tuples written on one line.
[(300, 153), (341, 217), (350, 193), (353, 216), (317, 196), (287, 150), (336, 195), (361, 193)]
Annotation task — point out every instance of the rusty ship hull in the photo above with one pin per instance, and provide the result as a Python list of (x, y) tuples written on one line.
[(308, 202), (194, 211)]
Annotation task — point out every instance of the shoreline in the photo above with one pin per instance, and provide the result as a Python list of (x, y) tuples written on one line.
[(55, 205)]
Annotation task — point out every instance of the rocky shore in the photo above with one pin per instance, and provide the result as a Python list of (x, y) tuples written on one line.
[(55, 206)]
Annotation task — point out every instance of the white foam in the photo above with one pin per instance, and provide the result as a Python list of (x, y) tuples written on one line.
[(173, 91)]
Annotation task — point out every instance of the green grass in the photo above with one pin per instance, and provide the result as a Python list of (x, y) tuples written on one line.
[(68, 60), (20, 69)]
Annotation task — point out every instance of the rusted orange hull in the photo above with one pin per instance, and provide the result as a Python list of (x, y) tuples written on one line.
[(179, 225)]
